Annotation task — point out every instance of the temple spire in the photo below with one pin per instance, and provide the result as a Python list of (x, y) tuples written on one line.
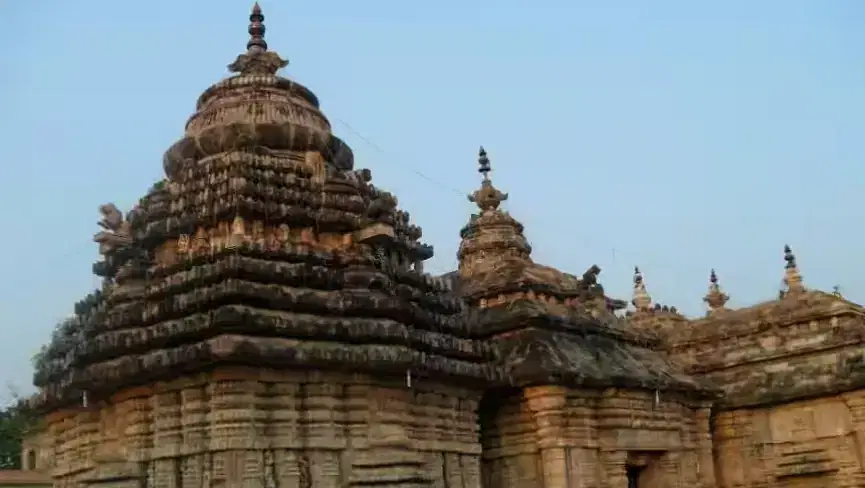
[(257, 60), (642, 300), (484, 167), (715, 299), (487, 197), (256, 30), (792, 277)]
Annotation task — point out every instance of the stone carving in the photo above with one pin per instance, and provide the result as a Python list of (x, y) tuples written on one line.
[(256, 234), (269, 470), (117, 231), (207, 469), (591, 288), (305, 476), (150, 478)]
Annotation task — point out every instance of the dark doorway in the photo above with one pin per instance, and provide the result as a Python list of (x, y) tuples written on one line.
[(490, 421), (634, 473)]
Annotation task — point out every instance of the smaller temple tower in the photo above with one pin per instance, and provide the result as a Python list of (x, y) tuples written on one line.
[(792, 278), (715, 299), (658, 321), (568, 360), (492, 240)]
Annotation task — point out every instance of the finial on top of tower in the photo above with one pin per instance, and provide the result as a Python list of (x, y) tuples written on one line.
[(642, 300), (256, 30), (257, 59), (789, 257), (487, 197), (484, 167), (715, 299), (792, 277)]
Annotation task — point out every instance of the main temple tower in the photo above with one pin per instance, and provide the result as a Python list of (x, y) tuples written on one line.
[(263, 319)]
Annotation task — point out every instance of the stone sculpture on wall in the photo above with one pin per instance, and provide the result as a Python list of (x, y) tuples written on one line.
[(117, 231)]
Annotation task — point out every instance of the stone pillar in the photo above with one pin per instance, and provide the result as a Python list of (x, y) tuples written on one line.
[(614, 464), (547, 403), (389, 457), (84, 441), (705, 459), (167, 436), (111, 467), (652, 474), (138, 424), (855, 402), (670, 466), (114, 472), (468, 440), (234, 428), (109, 445)]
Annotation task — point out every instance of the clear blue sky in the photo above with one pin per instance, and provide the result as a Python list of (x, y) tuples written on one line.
[(682, 134)]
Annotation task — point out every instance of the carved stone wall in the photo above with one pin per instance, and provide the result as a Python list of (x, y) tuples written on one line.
[(806, 444), (242, 427), (765, 435), (552, 437)]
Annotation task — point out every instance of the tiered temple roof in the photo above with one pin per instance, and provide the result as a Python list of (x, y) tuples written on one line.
[(805, 343), (263, 245), (549, 327)]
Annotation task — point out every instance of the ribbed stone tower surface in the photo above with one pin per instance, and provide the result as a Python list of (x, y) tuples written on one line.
[(263, 310)]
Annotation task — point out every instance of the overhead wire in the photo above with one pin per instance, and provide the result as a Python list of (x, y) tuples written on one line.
[(617, 252)]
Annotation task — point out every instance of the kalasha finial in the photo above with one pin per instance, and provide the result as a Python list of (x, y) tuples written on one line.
[(484, 164), (256, 30), (789, 257), (715, 299), (792, 277), (642, 300), (257, 59), (487, 197)]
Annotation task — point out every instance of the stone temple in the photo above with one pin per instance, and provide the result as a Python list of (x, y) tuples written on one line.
[(265, 322)]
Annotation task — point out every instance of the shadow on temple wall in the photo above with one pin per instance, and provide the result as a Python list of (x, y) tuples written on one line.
[(495, 412)]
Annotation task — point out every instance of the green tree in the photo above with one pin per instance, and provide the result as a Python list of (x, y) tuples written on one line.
[(15, 421)]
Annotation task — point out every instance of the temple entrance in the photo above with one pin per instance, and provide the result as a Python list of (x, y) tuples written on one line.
[(634, 473), (491, 412), (643, 470)]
